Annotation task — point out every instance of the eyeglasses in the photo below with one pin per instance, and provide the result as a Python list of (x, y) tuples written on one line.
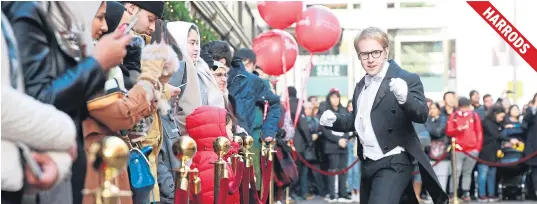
[(221, 75), (365, 55)]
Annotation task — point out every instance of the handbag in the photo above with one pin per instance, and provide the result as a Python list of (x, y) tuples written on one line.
[(310, 154), (141, 179), (437, 149)]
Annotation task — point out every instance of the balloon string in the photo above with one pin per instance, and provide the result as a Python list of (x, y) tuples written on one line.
[(284, 69), (303, 89)]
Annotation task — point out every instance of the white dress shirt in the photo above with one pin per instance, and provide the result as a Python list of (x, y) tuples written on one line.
[(368, 139)]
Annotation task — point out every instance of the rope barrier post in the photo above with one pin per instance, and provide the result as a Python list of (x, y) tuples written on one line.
[(221, 147), (248, 142), (271, 158), (184, 149), (287, 200), (454, 169)]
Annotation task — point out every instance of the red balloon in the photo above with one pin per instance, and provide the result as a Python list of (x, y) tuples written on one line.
[(318, 29), (280, 14), (270, 47)]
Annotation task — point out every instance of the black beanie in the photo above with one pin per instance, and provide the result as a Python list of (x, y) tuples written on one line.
[(155, 7), (114, 13)]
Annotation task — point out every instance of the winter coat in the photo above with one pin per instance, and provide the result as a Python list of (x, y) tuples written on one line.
[(204, 125), (470, 137), (250, 92), (492, 137)]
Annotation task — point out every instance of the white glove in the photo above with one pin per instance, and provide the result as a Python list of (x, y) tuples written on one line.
[(328, 118), (400, 89)]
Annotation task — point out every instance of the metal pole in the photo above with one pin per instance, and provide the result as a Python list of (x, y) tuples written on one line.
[(454, 170), (271, 187)]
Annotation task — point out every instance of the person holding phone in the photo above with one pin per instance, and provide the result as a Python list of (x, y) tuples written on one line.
[(30, 124), (62, 67)]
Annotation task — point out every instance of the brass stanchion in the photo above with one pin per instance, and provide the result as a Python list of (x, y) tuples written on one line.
[(185, 149), (270, 152), (454, 169), (221, 146), (236, 157), (109, 156), (248, 142)]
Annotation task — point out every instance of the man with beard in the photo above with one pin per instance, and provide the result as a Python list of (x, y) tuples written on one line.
[(147, 12)]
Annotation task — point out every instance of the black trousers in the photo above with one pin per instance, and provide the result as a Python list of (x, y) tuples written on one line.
[(9, 197), (534, 178), (336, 162), (385, 180)]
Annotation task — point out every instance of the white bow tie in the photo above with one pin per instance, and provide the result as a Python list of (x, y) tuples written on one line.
[(369, 79)]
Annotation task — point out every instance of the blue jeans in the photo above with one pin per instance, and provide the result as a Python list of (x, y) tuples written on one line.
[(486, 180), (353, 177)]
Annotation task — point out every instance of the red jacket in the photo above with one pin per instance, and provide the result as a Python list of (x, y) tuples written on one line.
[(466, 128), (204, 125)]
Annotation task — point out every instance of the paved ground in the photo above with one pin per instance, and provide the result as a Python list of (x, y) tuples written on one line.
[(320, 201)]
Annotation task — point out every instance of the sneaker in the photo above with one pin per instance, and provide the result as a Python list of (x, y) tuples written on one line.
[(483, 199), (345, 200), (466, 198), (335, 200), (451, 199), (493, 199), (356, 198)]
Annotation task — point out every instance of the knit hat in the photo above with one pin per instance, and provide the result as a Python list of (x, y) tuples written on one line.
[(114, 13), (155, 7)]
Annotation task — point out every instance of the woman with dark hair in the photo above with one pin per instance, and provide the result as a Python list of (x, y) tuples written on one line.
[(335, 148), (512, 124), (436, 126), (201, 89), (492, 137), (58, 70)]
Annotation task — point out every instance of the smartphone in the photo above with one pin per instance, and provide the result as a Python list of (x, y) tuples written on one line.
[(29, 159), (131, 24)]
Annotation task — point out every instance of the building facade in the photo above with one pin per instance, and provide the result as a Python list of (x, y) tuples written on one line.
[(446, 42), (234, 21)]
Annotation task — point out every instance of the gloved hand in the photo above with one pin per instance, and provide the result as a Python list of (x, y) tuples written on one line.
[(400, 89), (328, 118)]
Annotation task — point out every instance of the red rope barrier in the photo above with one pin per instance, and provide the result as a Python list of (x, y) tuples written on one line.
[(222, 197), (494, 164), (265, 179), (235, 184), (435, 163), (245, 185), (181, 196), (277, 181), (327, 173)]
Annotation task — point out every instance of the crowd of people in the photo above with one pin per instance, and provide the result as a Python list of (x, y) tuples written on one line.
[(481, 129), (72, 73)]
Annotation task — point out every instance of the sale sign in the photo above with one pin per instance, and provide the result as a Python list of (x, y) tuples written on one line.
[(507, 31)]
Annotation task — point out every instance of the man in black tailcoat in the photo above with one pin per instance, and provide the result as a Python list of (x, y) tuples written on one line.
[(386, 102)]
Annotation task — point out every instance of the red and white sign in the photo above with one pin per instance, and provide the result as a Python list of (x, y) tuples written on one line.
[(506, 30)]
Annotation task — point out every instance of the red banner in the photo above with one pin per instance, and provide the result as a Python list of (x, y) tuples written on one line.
[(506, 30)]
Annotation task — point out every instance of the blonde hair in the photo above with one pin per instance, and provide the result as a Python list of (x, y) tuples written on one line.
[(372, 33)]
